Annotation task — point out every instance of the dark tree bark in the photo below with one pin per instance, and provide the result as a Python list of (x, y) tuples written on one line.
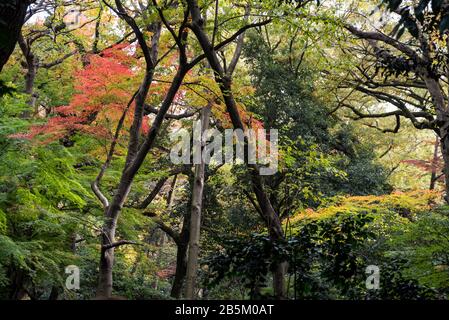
[(12, 18), (137, 151), (181, 260), (17, 279), (433, 177), (224, 81), (181, 240), (31, 71), (54, 293)]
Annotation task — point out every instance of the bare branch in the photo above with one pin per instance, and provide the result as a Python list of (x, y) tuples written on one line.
[(58, 61), (377, 36), (150, 109), (120, 243)]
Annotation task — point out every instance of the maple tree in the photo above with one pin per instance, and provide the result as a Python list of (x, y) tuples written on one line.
[(102, 90), (90, 181)]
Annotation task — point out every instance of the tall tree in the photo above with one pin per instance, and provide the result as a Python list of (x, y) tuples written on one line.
[(47, 44), (413, 57), (137, 150), (197, 207), (224, 80)]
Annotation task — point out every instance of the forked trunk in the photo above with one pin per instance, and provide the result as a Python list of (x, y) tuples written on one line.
[(224, 81), (181, 258)]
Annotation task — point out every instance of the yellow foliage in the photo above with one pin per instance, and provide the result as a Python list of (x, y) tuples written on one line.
[(411, 202), (130, 255)]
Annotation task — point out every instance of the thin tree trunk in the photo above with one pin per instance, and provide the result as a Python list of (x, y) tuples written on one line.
[(181, 257), (444, 141), (224, 81), (17, 284), (181, 267), (443, 120), (54, 294), (135, 158), (433, 177), (163, 237), (170, 201), (30, 80), (197, 202), (182, 243), (30, 76), (106, 264)]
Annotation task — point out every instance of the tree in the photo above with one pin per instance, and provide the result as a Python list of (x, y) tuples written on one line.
[(12, 17), (223, 79), (137, 151), (414, 63), (102, 90), (197, 208), (34, 40)]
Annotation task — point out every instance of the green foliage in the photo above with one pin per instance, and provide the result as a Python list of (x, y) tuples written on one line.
[(364, 174), (331, 193), (320, 157), (323, 257), (395, 286), (424, 246), (40, 198), (328, 251)]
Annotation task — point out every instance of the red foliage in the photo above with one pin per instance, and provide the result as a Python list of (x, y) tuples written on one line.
[(425, 165), (169, 272), (101, 95)]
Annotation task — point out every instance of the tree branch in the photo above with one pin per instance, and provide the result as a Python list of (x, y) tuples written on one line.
[(120, 243)]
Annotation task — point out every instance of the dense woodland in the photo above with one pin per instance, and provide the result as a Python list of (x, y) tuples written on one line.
[(92, 92)]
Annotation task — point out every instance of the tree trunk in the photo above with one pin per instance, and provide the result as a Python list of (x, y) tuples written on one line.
[(224, 81), (182, 243), (163, 236), (433, 177), (197, 203), (181, 267), (29, 89), (12, 17), (181, 258), (444, 141), (17, 284), (134, 160), (442, 111), (106, 262), (30, 76), (279, 280), (54, 294)]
